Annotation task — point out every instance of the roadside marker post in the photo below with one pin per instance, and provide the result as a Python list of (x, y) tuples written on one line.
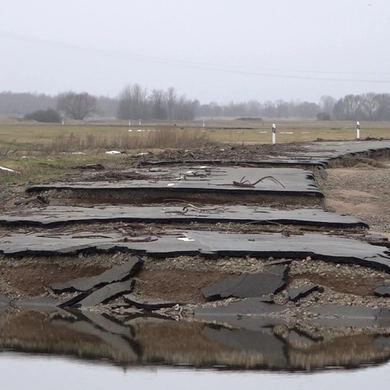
[(273, 134), (140, 122), (129, 122), (204, 125), (357, 130)]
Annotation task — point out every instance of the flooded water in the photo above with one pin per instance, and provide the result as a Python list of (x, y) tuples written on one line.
[(73, 350), (45, 372)]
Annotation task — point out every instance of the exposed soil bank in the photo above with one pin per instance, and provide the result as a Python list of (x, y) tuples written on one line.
[(362, 191)]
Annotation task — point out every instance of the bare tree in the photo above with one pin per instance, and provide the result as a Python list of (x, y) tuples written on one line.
[(370, 107), (253, 108), (106, 106), (186, 109), (157, 100), (350, 107), (327, 104), (282, 108), (171, 97), (133, 102), (269, 109), (383, 109), (76, 105)]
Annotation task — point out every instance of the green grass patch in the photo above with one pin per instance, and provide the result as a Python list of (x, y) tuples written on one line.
[(40, 169)]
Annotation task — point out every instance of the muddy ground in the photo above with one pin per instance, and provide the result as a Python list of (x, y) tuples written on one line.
[(361, 190)]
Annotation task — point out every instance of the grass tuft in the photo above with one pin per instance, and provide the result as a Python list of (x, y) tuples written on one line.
[(147, 138)]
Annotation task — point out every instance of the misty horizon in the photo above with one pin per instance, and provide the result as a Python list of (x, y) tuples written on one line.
[(214, 51), (227, 100), (181, 93)]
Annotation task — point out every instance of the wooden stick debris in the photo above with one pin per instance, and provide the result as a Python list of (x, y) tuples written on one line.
[(247, 184)]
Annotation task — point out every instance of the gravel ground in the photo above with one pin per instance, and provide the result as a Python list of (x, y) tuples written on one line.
[(361, 191)]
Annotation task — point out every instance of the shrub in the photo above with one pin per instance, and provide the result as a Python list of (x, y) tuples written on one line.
[(323, 116), (49, 115)]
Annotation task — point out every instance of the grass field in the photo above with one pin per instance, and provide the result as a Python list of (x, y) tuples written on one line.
[(76, 137), (46, 152)]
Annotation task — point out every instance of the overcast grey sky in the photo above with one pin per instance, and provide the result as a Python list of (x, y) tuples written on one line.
[(212, 50)]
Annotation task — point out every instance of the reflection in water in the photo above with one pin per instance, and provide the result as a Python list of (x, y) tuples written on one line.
[(147, 341)]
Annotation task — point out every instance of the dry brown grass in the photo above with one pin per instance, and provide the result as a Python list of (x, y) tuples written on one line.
[(92, 137), (57, 139), (45, 152), (84, 135)]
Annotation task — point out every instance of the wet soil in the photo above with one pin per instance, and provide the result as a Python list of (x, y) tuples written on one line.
[(31, 280), (177, 285), (347, 285), (182, 279)]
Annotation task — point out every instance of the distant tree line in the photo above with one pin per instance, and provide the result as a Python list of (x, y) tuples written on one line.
[(368, 106), (21, 104), (135, 102), (24, 103), (253, 108)]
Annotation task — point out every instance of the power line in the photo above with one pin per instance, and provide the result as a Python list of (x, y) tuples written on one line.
[(250, 71)]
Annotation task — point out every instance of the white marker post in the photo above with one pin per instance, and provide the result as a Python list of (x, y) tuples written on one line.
[(129, 122), (204, 125), (140, 122), (357, 130), (273, 134), (63, 122)]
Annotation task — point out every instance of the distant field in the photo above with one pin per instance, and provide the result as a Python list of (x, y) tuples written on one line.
[(40, 153), (85, 136)]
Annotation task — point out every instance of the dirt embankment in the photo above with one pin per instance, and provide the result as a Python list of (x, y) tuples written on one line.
[(361, 191)]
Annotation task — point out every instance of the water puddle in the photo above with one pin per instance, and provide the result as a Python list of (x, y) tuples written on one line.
[(132, 341), (43, 372)]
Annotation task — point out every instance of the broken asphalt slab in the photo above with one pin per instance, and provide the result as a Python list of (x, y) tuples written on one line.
[(102, 295), (246, 340), (207, 244), (247, 285), (296, 293), (343, 316), (310, 155), (282, 162), (148, 304), (4, 301), (58, 215), (40, 303), (293, 182), (324, 152), (106, 323), (92, 326), (114, 274), (382, 289), (248, 312)]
